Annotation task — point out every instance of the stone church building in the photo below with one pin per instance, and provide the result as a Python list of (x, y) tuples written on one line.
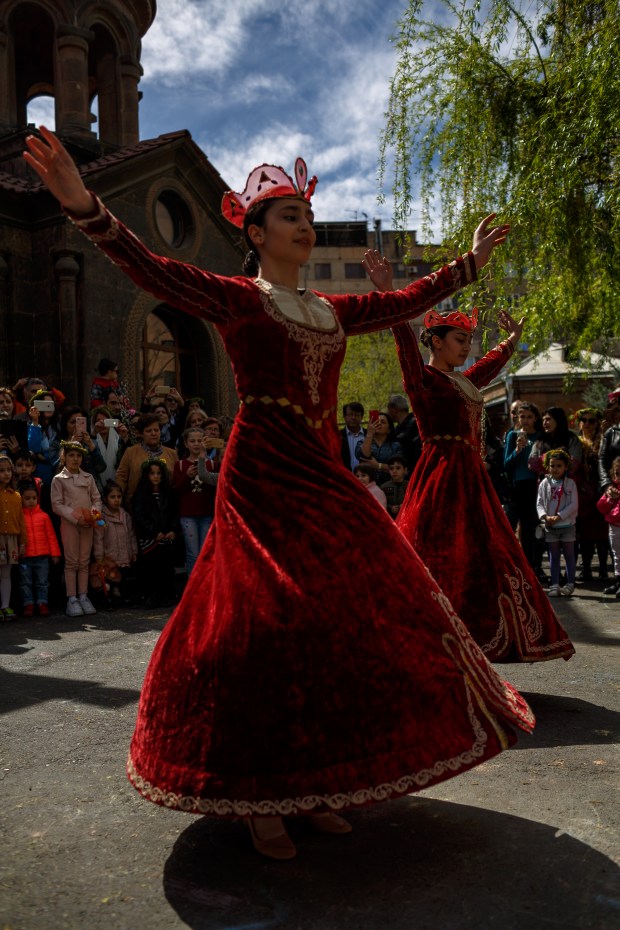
[(63, 306)]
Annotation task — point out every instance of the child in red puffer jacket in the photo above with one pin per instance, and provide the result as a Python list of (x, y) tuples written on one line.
[(41, 545)]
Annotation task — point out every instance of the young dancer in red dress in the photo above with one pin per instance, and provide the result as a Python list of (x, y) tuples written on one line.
[(451, 514), (269, 693)]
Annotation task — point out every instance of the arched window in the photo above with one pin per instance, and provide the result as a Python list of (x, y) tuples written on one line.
[(169, 353), (33, 48), (104, 85), (41, 111)]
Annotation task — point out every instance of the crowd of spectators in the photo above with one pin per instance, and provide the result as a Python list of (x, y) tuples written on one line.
[(383, 455), (115, 500), (125, 495)]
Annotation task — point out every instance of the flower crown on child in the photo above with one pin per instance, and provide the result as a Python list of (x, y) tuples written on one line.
[(161, 462), (41, 393), (70, 445), (556, 454)]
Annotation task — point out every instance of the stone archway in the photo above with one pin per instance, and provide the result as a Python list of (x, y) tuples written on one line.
[(215, 379)]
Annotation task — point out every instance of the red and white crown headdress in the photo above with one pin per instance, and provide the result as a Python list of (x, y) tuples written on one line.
[(265, 183), (457, 320)]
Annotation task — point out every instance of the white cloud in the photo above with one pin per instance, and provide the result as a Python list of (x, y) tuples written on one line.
[(257, 81), (189, 37)]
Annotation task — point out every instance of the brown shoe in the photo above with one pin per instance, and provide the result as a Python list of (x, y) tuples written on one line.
[(329, 823), (276, 847)]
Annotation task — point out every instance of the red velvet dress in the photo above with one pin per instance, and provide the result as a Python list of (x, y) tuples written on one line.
[(452, 516), (293, 675)]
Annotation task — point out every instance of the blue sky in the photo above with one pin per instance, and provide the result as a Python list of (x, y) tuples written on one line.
[(261, 81), (264, 81)]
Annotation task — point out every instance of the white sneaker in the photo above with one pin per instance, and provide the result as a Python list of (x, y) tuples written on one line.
[(567, 590), (554, 590), (85, 604), (74, 608)]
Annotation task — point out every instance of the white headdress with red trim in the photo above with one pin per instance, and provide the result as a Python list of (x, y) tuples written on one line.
[(457, 320), (265, 183)]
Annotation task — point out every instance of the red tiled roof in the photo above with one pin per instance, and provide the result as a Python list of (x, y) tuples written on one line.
[(10, 182)]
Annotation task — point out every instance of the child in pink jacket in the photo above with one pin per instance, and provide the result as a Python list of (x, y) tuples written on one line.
[(116, 546), (75, 499), (609, 505)]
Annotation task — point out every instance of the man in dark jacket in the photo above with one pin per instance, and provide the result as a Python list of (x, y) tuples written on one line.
[(407, 433), (352, 433)]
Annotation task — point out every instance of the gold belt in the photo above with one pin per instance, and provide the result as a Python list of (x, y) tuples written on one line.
[(285, 402), (456, 438)]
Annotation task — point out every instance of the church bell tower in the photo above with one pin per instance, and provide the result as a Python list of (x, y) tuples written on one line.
[(75, 52)]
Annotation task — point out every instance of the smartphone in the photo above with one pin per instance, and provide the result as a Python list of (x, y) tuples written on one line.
[(110, 423), (373, 415), (162, 389), (214, 442), (80, 424), (44, 406)]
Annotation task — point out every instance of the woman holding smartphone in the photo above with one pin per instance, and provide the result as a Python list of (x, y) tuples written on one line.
[(111, 437), (74, 428)]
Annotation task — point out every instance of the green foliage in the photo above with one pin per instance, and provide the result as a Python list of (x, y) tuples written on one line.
[(515, 107), (370, 372)]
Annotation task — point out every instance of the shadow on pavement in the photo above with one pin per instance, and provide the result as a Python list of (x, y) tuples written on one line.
[(413, 864), (17, 635), (19, 690), (567, 721), (583, 614)]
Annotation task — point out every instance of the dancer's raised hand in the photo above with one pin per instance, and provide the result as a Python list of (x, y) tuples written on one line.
[(486, 239), (50, 159), (510, 325), (379, 269)]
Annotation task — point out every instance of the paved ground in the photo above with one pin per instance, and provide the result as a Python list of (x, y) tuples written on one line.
[(528, 841)]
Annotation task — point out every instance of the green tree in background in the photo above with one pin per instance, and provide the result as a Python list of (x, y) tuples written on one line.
[(515, 107), (370, 372)]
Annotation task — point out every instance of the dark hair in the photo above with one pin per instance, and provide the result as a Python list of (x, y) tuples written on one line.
[(110, 486), (561, 434), (144, 485), (147, 419), (354, 406), (24, 454), (391, 436), (254, 217), (526, 405), (400, 459), (426, 336), (213, 421), (66, 415), (560, 454), (27, 484), (105, 365), (365, 470)]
